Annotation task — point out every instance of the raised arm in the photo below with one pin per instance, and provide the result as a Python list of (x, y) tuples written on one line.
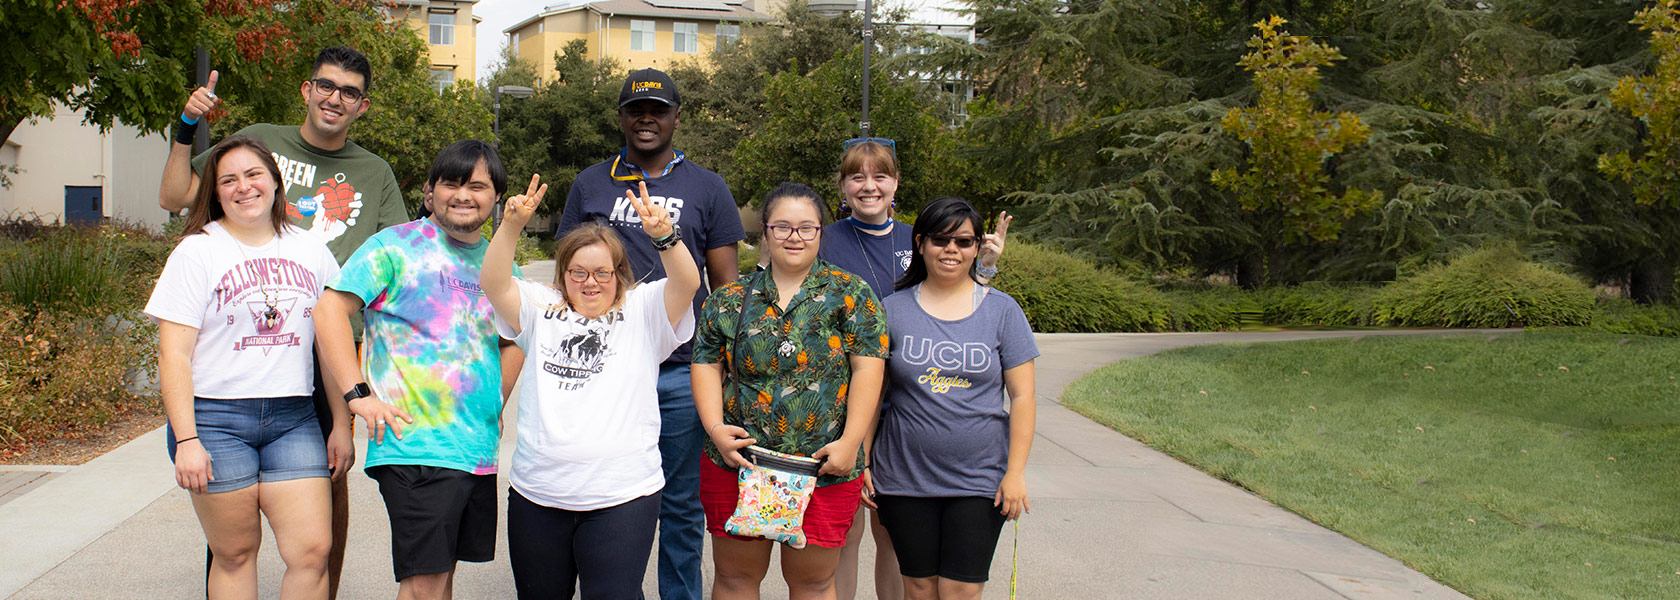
[(682, 275), (1011, 497), (992, 248), (179, 182), (496, 276)]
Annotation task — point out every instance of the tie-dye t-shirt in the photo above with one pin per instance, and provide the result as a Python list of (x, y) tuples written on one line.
[(430, 347)]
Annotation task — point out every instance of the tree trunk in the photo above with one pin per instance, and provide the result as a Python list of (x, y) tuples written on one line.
[(1652, 280), (8, 124)]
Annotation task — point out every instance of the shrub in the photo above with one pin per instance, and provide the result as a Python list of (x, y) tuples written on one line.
[(60, 371), (1061, 293), (1211, 309), (1494, 287), (1627, 317), (68, 270), (1317, 304), (748, 259)]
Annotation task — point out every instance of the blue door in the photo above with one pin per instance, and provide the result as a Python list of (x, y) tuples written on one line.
[(82, 205)]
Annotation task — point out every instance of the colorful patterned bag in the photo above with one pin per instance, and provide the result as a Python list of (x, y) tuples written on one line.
[(775, 489)]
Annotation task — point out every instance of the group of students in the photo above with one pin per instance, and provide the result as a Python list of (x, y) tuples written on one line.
[(871, 345)]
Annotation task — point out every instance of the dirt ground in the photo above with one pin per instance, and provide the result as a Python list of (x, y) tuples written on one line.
[(81, 444)]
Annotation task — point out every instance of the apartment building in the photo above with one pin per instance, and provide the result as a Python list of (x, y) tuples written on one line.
[(637, 33), (450, 31), (71, 172)]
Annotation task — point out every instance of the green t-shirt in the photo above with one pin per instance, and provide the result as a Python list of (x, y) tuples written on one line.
[(343, 196)]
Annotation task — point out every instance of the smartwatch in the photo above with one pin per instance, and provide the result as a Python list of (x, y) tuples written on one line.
[(361, 390)]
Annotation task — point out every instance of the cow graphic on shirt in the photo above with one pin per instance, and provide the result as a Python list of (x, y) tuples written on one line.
[(577, 357)]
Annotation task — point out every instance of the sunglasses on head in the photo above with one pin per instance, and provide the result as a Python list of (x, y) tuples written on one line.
[(940, 240), (891, 145)]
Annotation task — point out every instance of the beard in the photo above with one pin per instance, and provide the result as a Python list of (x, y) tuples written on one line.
[(458, 224)]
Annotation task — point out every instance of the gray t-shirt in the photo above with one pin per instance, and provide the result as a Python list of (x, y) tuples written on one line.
[(945, 428)]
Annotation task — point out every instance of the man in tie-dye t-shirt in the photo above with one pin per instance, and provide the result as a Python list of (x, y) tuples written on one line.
[(431, 382)]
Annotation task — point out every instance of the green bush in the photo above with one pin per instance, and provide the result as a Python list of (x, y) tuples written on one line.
[(1623, 316), (1317, 304), (1495, 287), (747, 259), (62, 371), (1212, 309), (1061, 293), (70, 270)]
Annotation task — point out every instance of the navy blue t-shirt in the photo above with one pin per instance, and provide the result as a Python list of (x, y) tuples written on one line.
[(878, 259), (697, 199)]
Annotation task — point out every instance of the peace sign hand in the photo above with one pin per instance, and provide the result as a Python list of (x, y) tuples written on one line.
[(520, 208), (202, 101), (992, 246), (655, 220)]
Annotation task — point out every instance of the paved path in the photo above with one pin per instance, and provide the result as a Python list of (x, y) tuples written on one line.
[(1111, 519)]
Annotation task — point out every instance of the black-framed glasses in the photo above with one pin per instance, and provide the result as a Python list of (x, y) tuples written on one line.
[(325, 87), (888, 142), (963, 241), (580, 275), (781, 233)]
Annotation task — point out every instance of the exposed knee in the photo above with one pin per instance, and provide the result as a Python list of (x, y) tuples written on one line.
[(234, 556), (739, 577), (425, 587), (309, 554), (916, 588), (805, 582)]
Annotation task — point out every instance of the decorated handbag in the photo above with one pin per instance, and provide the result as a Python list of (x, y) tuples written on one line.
[(775, 489)]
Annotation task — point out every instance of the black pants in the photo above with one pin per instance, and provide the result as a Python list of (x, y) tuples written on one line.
[(602, 553)]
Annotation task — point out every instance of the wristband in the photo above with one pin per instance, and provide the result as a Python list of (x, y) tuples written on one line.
[(185, 131), (178, 442), (712, 428), (982, 271), (670, 241)]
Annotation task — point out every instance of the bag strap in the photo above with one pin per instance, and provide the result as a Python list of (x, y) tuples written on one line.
[(1015, 562)]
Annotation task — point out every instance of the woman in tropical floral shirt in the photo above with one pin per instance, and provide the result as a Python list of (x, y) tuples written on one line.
[(790, 358)]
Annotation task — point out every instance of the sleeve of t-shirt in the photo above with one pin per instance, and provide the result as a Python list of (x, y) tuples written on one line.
[(866, 326), (646, 305), (710, 336), (392, 209), (1015, 337), (183, 289), (724, 228), (534, 300), (572, 213), (368, 272)]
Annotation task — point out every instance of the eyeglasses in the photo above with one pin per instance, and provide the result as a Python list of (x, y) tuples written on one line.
[(783, 232), (325, 87), (580, 275), (891, 145), (963, 241)]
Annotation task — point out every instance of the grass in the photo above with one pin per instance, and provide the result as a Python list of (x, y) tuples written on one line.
[(1515, 466)]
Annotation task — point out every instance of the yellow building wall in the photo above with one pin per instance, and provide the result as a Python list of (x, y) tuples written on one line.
[(463, 54), (664, 53)]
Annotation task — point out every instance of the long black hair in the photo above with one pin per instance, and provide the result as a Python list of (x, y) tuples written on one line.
[(941, 216)]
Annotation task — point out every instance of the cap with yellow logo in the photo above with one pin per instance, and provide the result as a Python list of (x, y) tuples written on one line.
[(649, 84)]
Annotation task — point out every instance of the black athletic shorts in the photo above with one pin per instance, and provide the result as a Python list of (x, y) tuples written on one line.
[(438, 516), (951, 538)]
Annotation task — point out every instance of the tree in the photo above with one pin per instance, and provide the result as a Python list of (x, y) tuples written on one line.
[(1654, 174), (569, 124)]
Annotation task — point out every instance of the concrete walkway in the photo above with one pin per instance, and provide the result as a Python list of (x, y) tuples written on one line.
[(1111, 519)]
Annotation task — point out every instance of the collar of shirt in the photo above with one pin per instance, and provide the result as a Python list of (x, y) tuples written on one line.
[(823, 275), (624, 156)]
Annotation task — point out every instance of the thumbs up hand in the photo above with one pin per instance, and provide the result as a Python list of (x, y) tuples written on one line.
[(202, 101)]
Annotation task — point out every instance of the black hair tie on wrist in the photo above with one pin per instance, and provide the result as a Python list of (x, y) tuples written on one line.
[(178, 442)]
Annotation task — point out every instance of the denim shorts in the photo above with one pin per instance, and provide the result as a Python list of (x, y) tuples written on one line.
[(258, 439)]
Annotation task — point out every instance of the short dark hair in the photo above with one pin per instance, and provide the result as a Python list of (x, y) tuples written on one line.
[(347, 59), (457, 162), (943, 215), (788, 190)]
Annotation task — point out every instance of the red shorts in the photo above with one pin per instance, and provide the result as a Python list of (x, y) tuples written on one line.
[(826, 521)]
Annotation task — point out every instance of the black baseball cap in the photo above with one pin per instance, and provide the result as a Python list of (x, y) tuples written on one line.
[(649, 84)]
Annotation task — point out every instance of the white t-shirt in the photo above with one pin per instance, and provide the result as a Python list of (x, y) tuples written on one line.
[(589, 404), (223, 288)]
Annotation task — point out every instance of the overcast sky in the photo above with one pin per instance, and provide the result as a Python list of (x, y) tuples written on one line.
[(499, 15)]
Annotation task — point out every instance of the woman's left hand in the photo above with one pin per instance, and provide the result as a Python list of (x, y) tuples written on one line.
[(991, 246), (1011, 498), (868, 490), (341, 452), (656, 221), (839, 458)]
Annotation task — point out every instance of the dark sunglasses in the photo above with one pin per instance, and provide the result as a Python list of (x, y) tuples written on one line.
[(964, 242), (325, 87), (891, 145)]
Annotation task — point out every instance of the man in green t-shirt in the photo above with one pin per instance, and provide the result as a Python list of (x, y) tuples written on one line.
[(334, 188)]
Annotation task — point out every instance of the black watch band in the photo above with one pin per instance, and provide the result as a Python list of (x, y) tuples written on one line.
[(361, 390)]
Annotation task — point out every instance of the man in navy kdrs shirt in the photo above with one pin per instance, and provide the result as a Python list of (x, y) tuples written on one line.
[(701, 205)]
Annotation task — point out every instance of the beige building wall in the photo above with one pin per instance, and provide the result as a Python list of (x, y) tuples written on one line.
[(541, 40), (61, 151), (537, 41)]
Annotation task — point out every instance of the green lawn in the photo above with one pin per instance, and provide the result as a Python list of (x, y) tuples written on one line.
[(1520, 466)]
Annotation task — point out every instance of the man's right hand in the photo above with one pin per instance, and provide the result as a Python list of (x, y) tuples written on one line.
[(379, 417), (202, 101)]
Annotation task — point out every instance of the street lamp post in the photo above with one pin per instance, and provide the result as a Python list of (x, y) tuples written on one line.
[(517, 91)]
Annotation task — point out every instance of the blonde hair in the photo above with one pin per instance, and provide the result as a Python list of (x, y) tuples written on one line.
[(855, 158), (586, 235)]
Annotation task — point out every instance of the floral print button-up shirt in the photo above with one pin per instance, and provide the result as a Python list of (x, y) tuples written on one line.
[(786, 372)]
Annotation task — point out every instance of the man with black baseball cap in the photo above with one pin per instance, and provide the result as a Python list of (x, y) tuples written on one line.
[(649, 110)]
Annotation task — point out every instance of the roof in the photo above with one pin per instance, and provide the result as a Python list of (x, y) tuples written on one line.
[(714, 10)]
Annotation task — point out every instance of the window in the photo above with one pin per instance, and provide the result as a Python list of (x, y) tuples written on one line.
[(539, 27), (442, 29), (685, 38), (641, 36), (728, 35), (513, 42), (443, 78)]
